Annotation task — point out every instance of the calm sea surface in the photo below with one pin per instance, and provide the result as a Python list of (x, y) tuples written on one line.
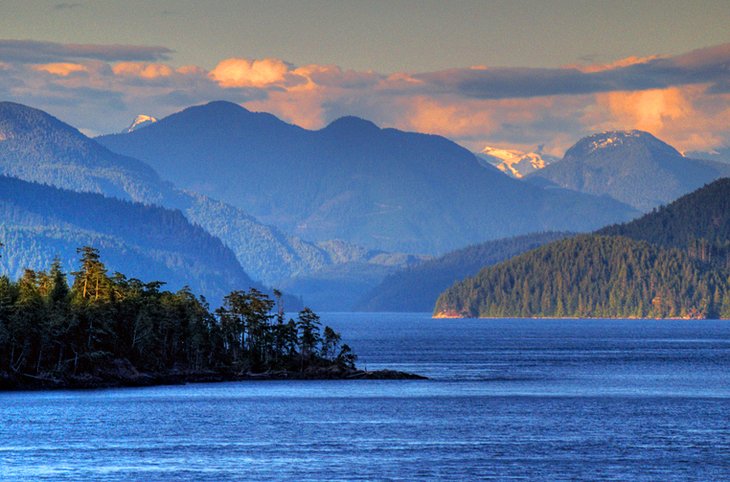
[(539, 399)]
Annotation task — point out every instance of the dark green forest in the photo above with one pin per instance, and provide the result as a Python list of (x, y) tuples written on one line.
[(698, 223), (106, 328), (670, 263), (593, 276)]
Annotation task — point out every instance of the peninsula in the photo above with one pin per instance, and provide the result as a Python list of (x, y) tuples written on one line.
[(108, 331)]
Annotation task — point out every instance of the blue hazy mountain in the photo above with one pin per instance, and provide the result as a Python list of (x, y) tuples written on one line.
[(379, 188), (631, 166), (38, 147), (416, 288), (39, 222)]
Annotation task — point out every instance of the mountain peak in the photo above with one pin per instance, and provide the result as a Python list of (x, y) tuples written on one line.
[(633, 167), (139, 122), (351, 123), (20, 121), (608, 141)]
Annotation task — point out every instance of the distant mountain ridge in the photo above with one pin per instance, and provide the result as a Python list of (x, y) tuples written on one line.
[(417, 288), (41, 148), (38, 147), (633, 167), (379, 188), (674, 262)]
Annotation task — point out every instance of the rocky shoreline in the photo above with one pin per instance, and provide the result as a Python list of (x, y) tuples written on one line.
[(123, 374)]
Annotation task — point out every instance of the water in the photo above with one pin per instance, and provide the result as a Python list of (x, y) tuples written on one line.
[(539, 399)]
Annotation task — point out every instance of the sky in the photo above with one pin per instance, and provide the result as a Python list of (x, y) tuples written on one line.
[(518, 74)]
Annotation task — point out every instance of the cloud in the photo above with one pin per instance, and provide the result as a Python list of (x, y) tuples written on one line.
[(709, 65), (62, 69), (683, 99), (142, 69), (33, 51), (236, 72)]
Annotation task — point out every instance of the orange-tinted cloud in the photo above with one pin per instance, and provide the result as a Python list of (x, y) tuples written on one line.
[(625, 62), (451, 119), (143, 70), (236, 72), (62, 69), (683, 99), (647, 110), (687, 117)]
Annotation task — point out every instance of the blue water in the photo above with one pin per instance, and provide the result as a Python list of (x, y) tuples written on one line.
[(539, 399)]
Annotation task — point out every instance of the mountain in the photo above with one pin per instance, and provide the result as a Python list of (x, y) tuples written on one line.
[(721, 154), (139, 122), (633, 167), (352, 273), (698, 223), (672, 262), (416, 288), (38, 147), (515, 163), (593, 276), (148, 242), (379, 188)]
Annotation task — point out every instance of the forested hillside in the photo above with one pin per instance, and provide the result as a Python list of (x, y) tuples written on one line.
[(676, 265), (417, 288), (593, 276), (147, 242), (698, 223)]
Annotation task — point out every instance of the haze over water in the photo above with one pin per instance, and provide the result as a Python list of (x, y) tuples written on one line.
[(544, 399)]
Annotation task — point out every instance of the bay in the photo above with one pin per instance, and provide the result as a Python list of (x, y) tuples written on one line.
[(512, 398)]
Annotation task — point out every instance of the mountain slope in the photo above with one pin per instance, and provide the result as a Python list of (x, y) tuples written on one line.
[(684, 272), (40, 148), (417, 288), (593, 276), (147, 242), (698, 223), (381, 188), (631, 166), (37, 147)]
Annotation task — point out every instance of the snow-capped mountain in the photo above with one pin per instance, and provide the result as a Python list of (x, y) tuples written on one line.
[(139, 122), (633, 167), (513, 162)]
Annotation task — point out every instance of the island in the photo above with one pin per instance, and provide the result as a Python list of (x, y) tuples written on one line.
[(111, 331)]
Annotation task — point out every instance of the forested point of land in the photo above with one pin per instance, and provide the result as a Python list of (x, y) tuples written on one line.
[(110, 330), (593, 276), (671, 263)]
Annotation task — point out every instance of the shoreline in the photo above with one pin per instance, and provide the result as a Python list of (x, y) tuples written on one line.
[(87, 381), (440, 316)]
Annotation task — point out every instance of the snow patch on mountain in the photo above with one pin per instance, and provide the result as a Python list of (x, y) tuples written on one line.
[(611, 139), (513, 162), (139, 122)]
